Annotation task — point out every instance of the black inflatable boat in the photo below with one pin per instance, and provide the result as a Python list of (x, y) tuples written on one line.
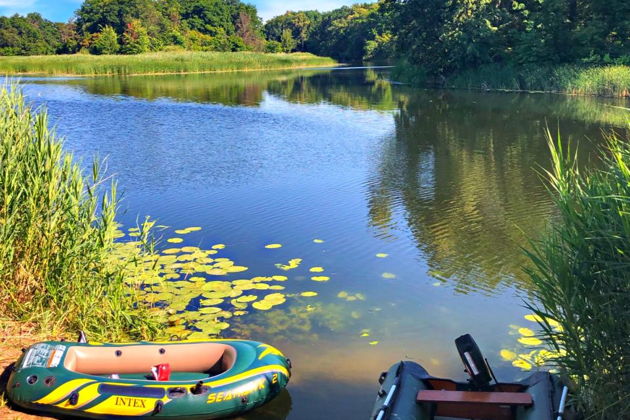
[(408, 392)]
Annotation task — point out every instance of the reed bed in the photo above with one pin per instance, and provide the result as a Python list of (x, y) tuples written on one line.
[(611, 81), (157, 63), (57, 232), (581, 273)]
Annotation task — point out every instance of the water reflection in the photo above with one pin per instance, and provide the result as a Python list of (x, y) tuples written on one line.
[(464, 171)]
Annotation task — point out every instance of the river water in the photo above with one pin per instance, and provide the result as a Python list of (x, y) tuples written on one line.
[(415, 203)]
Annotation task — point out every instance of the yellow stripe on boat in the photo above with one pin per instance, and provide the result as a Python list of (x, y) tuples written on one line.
[(269, 350), (86, 396), (63, 391), (248, 374)]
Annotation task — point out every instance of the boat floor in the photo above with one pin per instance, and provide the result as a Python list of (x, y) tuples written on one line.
[(175, 376)]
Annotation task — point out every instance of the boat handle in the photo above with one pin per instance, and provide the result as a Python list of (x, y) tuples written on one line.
[(159, 405), (563, 402)]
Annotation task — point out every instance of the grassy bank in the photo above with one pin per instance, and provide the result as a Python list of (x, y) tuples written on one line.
[(57, 237), (613, 81), (582, 278), (156, 63)]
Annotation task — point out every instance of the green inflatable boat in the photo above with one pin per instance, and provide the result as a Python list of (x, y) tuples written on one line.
[(408, 392), (177, 380)]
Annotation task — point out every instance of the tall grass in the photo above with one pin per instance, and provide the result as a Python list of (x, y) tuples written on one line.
[(154, 63), (582, 277), (613, 80), (57, 229)]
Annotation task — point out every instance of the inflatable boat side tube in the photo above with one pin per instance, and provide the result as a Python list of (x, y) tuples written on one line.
[(396, 398)]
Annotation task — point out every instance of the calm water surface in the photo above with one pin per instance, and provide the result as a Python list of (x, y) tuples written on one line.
[(443, 182)]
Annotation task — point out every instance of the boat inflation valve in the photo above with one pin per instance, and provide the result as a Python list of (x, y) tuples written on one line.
[(289, 364), (199, 388), (49, 381), (244, 400), (381, 378), (159, 405), (74, 398), (32, 380)]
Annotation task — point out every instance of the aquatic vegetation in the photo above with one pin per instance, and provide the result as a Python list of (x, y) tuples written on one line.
[(57, 235), (320, 278), (292, 264), (316, 269), (581, 274), (195, 288), (273, 246), (388, 275), (350, 297), (318, 241), (382, 255), (155, 63), (532, 352)]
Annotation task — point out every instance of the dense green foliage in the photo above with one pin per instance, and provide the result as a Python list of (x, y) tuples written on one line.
[(582, 278), (436, 39), (29, 35), (140, 26), (445, 37), (360, 32), (161, 62), (57, 235)]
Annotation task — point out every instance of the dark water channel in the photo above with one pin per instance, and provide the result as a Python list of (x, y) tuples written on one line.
[(416, 204)]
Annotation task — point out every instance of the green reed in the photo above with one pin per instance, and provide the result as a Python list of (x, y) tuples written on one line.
[(612, 80), (57, 229), (581, 273), (156, 63)]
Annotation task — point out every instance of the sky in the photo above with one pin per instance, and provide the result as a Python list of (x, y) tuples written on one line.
[(62, 10)]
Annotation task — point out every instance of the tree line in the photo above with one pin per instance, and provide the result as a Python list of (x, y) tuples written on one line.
[(440, 36), (137, 26), (447, 36)]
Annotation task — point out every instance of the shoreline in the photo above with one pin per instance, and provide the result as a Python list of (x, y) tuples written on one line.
[(610, 81), (173, 73), (163, 63)]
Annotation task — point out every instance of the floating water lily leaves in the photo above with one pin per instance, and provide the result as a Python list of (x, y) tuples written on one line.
[(530, 341), (320, 278), (382, 255), (273, 246), (350, 297), (507, 355), (292, 264), (269, 301), (179, 281), (388, 275), (527, 337)]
